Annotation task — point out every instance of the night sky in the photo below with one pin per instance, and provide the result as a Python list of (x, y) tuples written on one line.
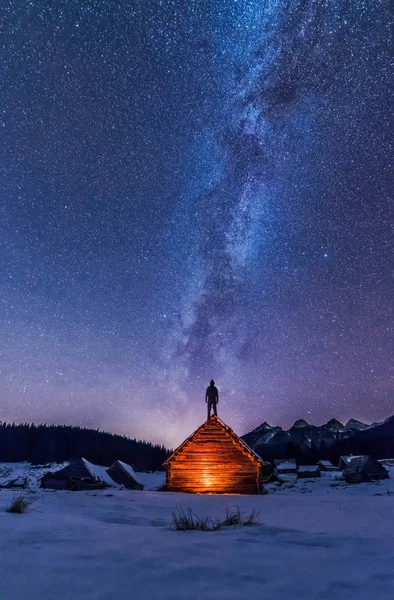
[(194, 189)]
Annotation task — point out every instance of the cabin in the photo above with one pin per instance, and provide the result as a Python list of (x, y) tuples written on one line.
[(308, 471), (344, 461), (214, 460), (364, 468), (124, 475), (387, 462), (285, 469), (326, 465), (80, 474)]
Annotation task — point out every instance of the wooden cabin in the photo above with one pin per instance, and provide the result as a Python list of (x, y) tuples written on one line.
[(344, 461), (125, 475), (308, 471), (285, 469), (387, 462), (364, 468), (326, 465), (78, 475), (214, 460)]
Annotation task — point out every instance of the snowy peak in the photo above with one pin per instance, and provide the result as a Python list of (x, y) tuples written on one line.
[(300, 423), (355, 424), (263, 427), (335, 425), (275, 441), (262, 434)]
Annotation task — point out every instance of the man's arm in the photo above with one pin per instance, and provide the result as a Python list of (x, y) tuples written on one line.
[(217, 395)]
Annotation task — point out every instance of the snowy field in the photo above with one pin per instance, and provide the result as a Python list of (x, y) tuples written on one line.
[(316, 540), (24, 473)]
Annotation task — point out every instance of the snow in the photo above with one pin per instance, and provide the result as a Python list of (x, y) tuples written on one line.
[(31, 474), (387, 462), (317, 539), (25, 472), (285, 465), (100, 473), (266, 437), (151, 480), (348, 459)]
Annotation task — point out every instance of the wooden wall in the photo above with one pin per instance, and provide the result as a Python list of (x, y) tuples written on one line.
[(213, 462)]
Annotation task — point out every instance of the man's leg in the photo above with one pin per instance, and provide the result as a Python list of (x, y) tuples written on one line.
[(209, 409), (215, 410)]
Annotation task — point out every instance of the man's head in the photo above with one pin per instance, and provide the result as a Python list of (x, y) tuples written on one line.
[(212, 382)]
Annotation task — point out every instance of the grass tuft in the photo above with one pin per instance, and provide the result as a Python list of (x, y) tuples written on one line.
[(187, 520), (20, 503)]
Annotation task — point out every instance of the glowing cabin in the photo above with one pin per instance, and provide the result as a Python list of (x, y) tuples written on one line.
[(214, 460)]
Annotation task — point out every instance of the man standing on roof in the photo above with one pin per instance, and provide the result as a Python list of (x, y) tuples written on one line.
[(212, 398)]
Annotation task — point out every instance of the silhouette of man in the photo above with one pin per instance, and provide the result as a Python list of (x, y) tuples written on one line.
[(212, 398)]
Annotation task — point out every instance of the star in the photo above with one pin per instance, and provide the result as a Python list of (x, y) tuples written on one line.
[(194, 191)]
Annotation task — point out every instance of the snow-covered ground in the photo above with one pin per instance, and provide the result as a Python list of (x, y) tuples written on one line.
[(320, 540), (24, 473), (29, 476)]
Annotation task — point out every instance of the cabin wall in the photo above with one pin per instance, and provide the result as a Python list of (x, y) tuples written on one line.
[(308, 474), (213, 463)]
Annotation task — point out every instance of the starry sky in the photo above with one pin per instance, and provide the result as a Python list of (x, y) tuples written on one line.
[(194, 189)]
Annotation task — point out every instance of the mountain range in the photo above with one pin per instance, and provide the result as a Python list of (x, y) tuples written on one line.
[(306, 441)]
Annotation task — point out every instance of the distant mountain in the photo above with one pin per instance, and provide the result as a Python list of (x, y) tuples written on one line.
[(356, 425), (301, 423), (309, 443)]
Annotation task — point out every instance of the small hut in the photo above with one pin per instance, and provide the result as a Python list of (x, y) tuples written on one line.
[(344, 461), (326, 465), (310, 471), (285, 469), (214, 460), (364, 468), (78, 475), (387, 462), (125, 475)]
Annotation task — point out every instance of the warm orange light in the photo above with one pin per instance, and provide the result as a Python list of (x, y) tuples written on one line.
[(208, 480), (214, 460)]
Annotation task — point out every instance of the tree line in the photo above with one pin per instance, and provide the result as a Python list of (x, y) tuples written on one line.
[(41, 444)]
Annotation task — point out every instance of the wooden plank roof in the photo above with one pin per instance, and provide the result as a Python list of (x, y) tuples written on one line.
[(235, 439)]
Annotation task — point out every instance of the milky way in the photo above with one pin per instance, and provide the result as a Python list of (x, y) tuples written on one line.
[(193, 190)]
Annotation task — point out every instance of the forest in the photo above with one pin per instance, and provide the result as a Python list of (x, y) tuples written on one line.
[(42, 444)]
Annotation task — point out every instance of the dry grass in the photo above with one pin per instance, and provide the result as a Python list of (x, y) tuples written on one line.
[(187, 520), (20, 503)]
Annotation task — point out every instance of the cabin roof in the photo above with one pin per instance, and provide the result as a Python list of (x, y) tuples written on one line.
[(128, 469), (388, 462), (99, 472), (285, 463), (348, 458), (364, 464), (243, 446)]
